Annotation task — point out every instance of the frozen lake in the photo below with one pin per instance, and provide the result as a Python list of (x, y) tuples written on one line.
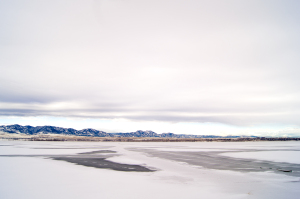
[(34, 170)]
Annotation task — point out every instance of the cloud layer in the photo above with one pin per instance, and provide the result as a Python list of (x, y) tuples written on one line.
[(233, 62)]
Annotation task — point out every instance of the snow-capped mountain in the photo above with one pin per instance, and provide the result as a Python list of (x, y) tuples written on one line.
[(39, 130)]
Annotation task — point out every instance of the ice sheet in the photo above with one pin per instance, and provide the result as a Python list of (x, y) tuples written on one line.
[(194, 150), (39, 177)]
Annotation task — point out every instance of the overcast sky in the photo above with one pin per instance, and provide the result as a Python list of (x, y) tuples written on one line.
[(205, 66)]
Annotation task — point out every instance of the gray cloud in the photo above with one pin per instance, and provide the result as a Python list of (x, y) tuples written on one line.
[(233, 62)]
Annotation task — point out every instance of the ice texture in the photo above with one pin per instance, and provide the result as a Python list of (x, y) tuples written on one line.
[(28, 172)]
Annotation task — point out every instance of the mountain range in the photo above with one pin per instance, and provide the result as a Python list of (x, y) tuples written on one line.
[(40, 130)]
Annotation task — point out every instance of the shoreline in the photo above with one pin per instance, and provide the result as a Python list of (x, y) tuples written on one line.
[(141, 139)]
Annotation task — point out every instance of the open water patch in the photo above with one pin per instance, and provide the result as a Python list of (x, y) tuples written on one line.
[(102, 163)]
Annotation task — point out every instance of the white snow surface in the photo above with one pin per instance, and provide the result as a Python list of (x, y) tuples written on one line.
[(191, 150), (39, 177)]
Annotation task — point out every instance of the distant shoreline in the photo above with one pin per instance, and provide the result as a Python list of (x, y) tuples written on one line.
[(142, 139), (53, 133)]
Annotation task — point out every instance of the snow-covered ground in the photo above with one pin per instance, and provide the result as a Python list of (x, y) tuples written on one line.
[(28, 172)]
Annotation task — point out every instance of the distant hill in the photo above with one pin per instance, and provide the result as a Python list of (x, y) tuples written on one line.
[(40, 130)]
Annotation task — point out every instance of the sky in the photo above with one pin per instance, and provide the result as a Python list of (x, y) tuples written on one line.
[(182, 66)]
